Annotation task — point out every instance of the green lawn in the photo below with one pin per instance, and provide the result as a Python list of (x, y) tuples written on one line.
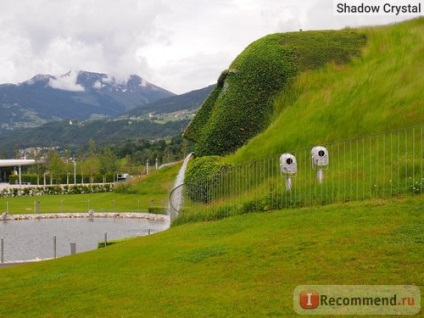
[(243, 266), (136, 196)]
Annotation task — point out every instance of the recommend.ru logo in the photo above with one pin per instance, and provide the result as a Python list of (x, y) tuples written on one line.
[(357, 300)]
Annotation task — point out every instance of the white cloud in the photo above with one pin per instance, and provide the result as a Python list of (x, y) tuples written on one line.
[(67, 82), (178, 45), (97, 85)]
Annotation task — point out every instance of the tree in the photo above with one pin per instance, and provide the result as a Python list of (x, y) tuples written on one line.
[(55, 165), (108, 163), (92, 164), (91, 148)]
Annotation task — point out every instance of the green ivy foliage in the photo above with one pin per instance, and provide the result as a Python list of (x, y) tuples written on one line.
[(241, 104), (202, 176), (194, 129)]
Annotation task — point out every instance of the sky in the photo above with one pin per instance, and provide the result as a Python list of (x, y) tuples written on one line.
[(179, 45)]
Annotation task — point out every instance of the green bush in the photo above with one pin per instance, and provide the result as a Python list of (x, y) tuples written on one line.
[(241, 105), (157, 209), (125, 187), (55, 190), (25, 178), (202, 178)]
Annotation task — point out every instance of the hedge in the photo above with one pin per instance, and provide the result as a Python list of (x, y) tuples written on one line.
[(35, 179), (202, 176), (55, 190)]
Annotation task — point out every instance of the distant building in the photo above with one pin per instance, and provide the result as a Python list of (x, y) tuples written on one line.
[(13, 166)]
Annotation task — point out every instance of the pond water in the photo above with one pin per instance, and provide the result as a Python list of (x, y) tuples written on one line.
[(34, 239)]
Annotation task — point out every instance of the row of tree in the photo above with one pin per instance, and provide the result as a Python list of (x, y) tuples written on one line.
[(105, 162)]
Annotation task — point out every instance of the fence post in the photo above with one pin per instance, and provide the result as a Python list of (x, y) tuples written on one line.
[(2, 250), (54, 246), (73, 248), (105, 239)]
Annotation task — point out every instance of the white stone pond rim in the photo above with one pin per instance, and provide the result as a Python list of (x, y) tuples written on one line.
[(116, 215)]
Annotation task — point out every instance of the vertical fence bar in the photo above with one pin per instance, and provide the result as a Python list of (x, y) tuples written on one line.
[(422, 161), (413, 161), (363, 168), (305, 188), (391, 164), (384, 165), (331, 161), (357, 169), (344, 173), (2, 250), (406, 161), (376, 167), (398, 163), (350, 170), (54, 246), (370, 172)]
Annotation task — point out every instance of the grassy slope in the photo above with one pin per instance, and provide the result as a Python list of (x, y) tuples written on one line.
[(242, 103), (246, 266), (382, 90)]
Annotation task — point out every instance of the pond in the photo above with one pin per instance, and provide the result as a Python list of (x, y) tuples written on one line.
[(34, 239)]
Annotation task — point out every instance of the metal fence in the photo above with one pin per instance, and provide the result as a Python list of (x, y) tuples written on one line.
[(383, 165)]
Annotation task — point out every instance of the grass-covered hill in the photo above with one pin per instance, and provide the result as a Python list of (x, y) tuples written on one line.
[(305, 88), (380, 90), (241, 105)]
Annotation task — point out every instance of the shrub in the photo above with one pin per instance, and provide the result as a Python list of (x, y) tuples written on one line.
[(202, 178), (55, 190), (157, 209)]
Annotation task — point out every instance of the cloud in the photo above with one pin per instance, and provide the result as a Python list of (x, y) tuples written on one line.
[(97, 85), (178, 45), (67, 82)]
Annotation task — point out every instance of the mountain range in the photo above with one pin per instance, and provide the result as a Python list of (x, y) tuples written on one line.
[(69, 132), (75, 95)]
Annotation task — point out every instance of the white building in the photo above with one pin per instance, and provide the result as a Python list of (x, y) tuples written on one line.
[(9, 165)]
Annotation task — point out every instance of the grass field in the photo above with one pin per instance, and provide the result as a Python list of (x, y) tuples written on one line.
[(245, 266), (135, 196)]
